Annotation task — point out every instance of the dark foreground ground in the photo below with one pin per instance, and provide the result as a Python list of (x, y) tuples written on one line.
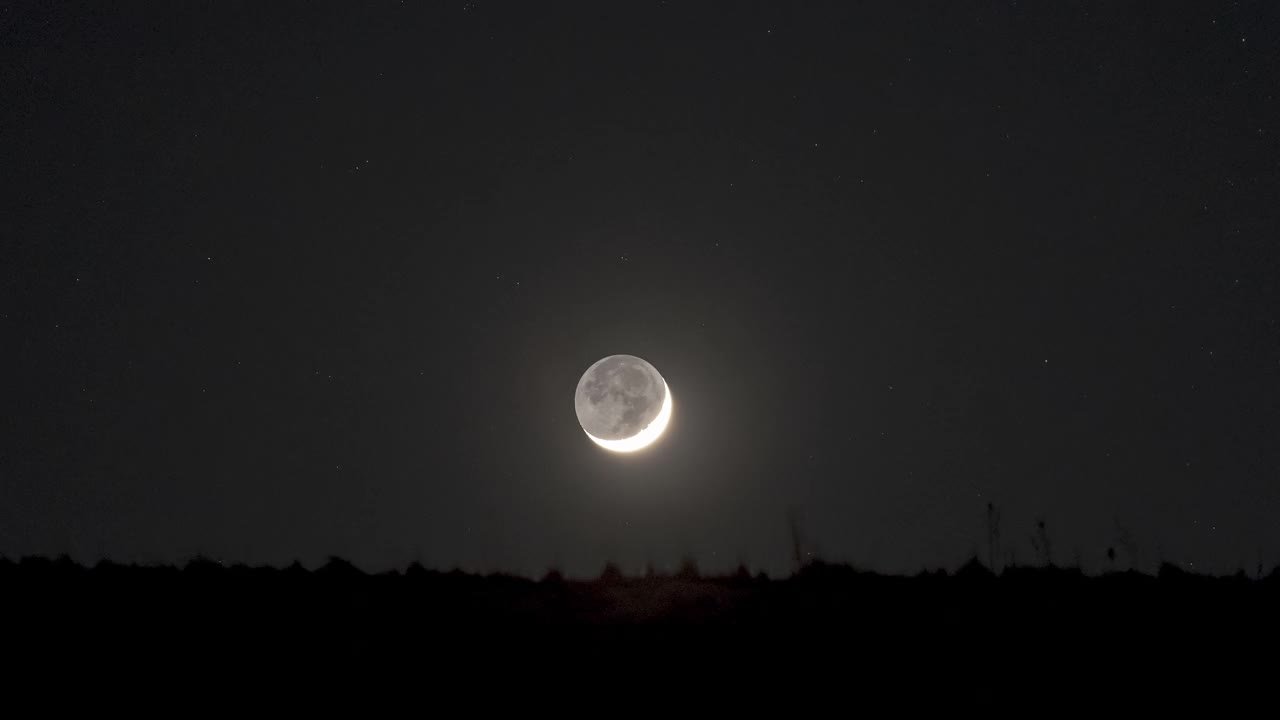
[(987, 633)]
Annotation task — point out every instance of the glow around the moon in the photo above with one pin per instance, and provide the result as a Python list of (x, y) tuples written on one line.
[(645, 436)]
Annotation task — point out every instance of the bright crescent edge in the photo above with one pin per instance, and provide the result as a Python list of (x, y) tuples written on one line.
[(645, 437)]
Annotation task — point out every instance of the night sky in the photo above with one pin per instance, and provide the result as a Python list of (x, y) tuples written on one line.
[(282, 281)]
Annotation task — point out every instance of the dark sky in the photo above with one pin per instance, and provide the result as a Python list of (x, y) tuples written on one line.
[(286, 280)]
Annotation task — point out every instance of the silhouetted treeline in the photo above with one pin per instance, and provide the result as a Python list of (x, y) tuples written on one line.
[(972, 631), (206, 597), (1029, 632)]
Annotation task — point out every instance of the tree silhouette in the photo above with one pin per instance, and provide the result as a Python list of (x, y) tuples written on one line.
[(688, 569), (611, 573), (1041, 544), (797, 540), (1124, 540), (993, 536)]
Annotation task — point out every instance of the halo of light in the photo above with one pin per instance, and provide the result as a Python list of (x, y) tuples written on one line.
[(645, 437)]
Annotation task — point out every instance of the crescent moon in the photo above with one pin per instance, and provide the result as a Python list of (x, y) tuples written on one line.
[(645, 436)]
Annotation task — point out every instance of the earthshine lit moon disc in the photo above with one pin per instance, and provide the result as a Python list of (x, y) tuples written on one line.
[(623, 404)]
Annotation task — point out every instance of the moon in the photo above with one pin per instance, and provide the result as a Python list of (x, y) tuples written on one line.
[(623, 404)]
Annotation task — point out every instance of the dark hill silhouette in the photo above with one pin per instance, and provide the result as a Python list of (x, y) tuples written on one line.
[(42, 586), (949, 624)]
